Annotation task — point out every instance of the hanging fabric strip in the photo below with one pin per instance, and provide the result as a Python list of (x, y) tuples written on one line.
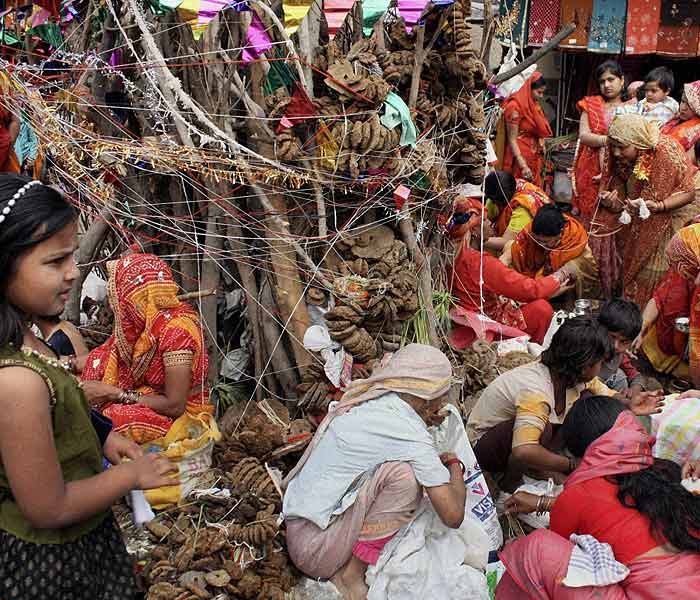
[(411, 11), (677, 40), (642, 26), (294, 13), (371, 11), (607, 33), (544, 21), (579, 12), (514, 17), (258, 40), (335, 12)]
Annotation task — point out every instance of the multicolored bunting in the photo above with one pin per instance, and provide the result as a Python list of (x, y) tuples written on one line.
[(258, 40), (50, 33), (411, 11), (371, 11), (335, 12), (294, 13)]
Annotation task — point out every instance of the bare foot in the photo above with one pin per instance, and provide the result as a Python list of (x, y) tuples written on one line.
[(350, 580)]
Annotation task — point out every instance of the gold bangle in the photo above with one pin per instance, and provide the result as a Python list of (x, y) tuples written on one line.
[(178, 358)]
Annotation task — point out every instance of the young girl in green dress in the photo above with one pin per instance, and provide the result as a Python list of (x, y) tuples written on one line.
[(58, 538)]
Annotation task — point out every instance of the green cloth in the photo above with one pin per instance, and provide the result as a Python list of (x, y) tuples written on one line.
[(8, 39), (280, 74), (50, 33), (371, 11), (163, 7), (78, 447), (396, 112)]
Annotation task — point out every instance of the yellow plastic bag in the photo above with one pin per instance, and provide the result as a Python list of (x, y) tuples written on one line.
[(189, 444)]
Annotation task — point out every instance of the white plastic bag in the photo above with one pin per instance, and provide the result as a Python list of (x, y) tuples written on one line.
[(452, 437), (426, 559), (512, 85)]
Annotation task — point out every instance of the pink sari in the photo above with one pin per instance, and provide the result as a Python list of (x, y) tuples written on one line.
[(537, 564)]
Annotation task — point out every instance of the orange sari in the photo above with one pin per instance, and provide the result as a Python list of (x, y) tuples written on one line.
[(523, 110), (587, 163), (687, 132), (529, 258), (528, 196)]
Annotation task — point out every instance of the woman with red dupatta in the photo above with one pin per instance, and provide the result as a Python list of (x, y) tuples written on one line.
[(154, 367), (685, 128), (678, 295), (597, 113), (526, 128), (506, 296), (619, 495), (648, 167)]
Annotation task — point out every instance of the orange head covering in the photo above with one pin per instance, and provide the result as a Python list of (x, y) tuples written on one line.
[(529, 109), (143, 296), (531, 259), (466, 215), (683, 252)]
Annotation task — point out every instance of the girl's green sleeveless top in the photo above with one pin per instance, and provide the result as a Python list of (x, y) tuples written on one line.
[(77, 445)]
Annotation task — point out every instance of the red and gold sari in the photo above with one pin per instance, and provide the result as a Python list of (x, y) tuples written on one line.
[(152, 330), (528, 196), (523, 110), (662, 169)]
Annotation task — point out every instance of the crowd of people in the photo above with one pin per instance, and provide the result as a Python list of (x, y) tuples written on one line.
[(578, 415)]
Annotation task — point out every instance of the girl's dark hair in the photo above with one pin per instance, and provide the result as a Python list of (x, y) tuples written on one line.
[(578, 344), (697, 150), (499, 187), (663, 76), (656, 492), (538, 83), (40, 213), (548, 221), (621, 316), (588, 419), (609, 65)]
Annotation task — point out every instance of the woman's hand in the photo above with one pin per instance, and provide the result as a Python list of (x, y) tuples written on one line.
[(689, 394), (117, 447), (607, 199), (153, 471), (691, 470), (98, 393), (647, 403), (522, 502), (526, 172), (637, 343), (655, 207)]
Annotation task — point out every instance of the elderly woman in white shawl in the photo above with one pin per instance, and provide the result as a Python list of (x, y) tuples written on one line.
[(364, 473)]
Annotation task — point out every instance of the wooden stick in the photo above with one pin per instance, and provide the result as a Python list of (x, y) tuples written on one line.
[(535, 56), (196, 295)]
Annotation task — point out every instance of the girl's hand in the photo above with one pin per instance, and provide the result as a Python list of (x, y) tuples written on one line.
[(691, 470), (521, 502), (647, 403), (690, 394), (153, 471), (117, 447)]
